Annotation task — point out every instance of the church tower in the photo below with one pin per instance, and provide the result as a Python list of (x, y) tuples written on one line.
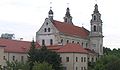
[(96, 36), (68, 17)]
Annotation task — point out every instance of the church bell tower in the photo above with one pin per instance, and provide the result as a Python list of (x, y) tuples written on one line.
[(68, 17), (96, 36)]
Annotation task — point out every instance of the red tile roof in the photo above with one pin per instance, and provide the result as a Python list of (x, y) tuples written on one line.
[(70, 29), (72, 48), (15, 46)]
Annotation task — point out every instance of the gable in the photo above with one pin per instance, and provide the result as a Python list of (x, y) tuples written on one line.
[(47, 28)]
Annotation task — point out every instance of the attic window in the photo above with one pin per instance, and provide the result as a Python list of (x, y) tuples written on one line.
[(46, 23)]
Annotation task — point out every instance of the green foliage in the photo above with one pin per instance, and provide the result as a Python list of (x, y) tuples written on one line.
[(43, 54), (15, 65), (109, 61), (32, 55), (42, 66)]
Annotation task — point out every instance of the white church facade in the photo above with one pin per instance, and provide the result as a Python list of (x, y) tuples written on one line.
[(76, 45), (54, 32)]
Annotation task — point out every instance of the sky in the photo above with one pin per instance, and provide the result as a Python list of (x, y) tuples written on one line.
[(25, 17)]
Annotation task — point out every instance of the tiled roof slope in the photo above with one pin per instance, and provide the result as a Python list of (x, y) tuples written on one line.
[(15, 46), (71, 29), (72, 48)]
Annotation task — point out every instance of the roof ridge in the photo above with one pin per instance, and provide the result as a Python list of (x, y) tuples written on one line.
[(15, 40)]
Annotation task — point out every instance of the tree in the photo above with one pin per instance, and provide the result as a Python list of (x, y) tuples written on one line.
[(15, 65), (43, 55), (50, 57), (42, 66), (106, 62), (32, 55)]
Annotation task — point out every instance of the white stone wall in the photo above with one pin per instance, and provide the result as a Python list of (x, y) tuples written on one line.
[(98, 41), (2, 62), (41, 34), (9, 57), (75, 39), (73, 64)]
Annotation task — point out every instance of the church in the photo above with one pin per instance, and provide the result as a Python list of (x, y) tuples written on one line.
[(76, 45), (72, 39), (54, 32)]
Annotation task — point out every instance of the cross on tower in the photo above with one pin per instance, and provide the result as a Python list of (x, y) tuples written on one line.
[(96, 1), (50, 5), (67, 4)]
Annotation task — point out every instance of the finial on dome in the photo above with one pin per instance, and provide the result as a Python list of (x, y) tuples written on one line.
[(50, 13)]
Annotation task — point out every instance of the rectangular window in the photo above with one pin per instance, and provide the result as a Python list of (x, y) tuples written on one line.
[(22, 58), (13, 58), (76, 68), (84, 59), (81, 68), (67, 59), (94, 45), (4, 58), (81, 59), (86, 44), (45, 30), (43, 42), (51, 42), (84, 68), (48, 29), (76, 59)]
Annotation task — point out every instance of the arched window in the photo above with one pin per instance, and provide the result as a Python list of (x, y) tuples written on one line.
[(43, 42), (46, 23), (45, 30), (72, 41), (48, 29), (94, 18), (94, 28), (51, 42), (67, 41)]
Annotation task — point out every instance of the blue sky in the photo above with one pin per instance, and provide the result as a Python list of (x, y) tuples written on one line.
[(25, 17)]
